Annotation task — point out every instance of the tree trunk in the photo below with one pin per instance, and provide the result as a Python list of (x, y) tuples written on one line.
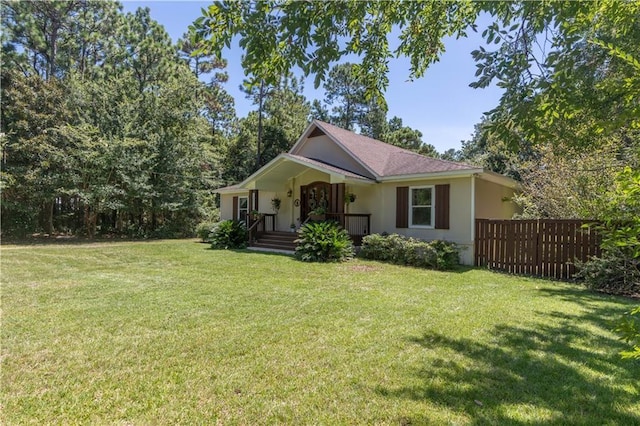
[(261, 102), (48, 216)]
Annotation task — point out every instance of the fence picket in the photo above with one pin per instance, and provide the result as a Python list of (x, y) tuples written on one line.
[(545, 247)]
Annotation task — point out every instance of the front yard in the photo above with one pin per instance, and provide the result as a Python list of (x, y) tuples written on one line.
[(170, 332)]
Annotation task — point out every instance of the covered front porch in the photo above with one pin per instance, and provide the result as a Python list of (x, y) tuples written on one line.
[(263, 230), (291, 191)]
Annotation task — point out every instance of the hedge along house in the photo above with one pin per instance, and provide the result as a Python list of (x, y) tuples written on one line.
[(368, 186)]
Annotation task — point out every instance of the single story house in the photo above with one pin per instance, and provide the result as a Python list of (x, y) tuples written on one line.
[(370, 187)]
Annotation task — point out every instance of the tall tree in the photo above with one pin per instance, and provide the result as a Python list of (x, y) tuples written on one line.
[(190, 50), (487, 150), (344, 93), (44, 29), (122, 151), (219, 107), (546, 84), (569, 69), (319, 111), (396, 133), (276, 36), (288, 109), (257, 90)]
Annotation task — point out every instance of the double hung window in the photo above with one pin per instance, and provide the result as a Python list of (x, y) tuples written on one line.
[(421, 206)]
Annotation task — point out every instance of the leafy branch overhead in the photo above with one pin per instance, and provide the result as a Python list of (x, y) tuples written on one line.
[(557, 61), (279, 36)]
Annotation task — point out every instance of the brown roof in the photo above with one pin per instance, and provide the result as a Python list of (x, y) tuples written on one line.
[(386, 160)]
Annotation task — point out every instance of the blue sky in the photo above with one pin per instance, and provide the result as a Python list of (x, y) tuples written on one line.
[(441, 104)]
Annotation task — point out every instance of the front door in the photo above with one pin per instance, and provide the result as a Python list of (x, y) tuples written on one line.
[(314, 195)]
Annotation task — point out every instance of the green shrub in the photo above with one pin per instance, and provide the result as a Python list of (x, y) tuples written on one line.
[(323, 242), (228, 234), (203, 230), (617, 270), (612, 273), (394, 248), (628, 328)]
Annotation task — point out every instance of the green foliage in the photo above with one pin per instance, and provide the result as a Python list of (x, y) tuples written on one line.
[(203, 231), (611, 273), (394, 248), (568, 182), (280, 119), (323, 242), (569, 69), (276, 36), (487, 150), (344, 92), (628, 328), (229, 234), (397, 134), (103, 126), (618, 269)]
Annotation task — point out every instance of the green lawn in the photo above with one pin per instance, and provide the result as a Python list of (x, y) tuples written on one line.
[(170, 332)]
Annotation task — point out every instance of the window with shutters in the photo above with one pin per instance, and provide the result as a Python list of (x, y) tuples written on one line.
[(421, 207)]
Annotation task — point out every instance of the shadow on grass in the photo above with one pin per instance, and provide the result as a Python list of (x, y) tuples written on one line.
[(73, 240), (565, 373)]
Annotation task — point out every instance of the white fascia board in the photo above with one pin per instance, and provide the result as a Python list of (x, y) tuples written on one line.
[(356, 181), (335, 177), (230, 191), (303, 137), (245, 183), (345, 149), (500, 179), (430, 176)]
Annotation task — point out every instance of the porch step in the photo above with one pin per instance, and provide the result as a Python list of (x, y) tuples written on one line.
[(277, 241)]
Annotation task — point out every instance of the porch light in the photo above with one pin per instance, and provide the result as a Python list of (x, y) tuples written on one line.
[(289, 193)]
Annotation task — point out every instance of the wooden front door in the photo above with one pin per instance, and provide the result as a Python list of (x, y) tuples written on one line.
[(312, 196)]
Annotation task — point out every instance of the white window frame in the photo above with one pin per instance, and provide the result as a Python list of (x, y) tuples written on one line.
[(240, 210), (433, 206)]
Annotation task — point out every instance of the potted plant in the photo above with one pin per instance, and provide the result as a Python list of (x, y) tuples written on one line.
[(292, 227), (318, 214), (349, 197), (255, 214), (275, 204)]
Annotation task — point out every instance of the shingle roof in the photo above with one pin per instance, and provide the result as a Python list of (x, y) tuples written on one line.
[(388, 160)]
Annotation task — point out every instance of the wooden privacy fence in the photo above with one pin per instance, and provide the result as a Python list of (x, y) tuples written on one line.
[(545, 247)]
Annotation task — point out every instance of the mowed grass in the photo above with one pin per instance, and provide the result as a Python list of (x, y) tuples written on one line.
[(170, 332)]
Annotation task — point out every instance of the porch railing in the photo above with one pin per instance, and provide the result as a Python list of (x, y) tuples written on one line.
[(357, 224), (265, 222)]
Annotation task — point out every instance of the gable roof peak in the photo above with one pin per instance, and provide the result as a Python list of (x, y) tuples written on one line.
[(384, 159)]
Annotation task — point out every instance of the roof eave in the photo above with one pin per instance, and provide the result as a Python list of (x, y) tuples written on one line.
[(432, 175), (331, 173), (375, 175), (229, 190), (500, 179), (245, 185), (303, 137)]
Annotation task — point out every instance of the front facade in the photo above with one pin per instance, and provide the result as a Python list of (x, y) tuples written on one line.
[(371, 187)]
